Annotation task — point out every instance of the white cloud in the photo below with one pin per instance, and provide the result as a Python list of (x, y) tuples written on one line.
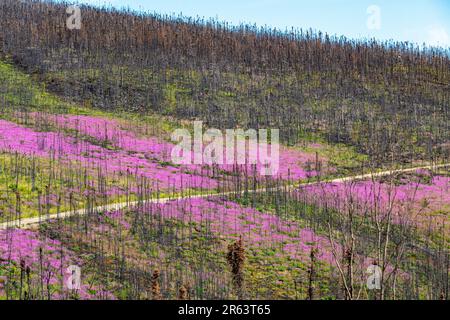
[(438, 36)]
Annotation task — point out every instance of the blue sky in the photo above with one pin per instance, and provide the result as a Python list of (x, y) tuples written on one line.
[(419, 21)]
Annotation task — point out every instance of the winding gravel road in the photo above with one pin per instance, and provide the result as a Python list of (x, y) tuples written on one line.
[(27, 222)]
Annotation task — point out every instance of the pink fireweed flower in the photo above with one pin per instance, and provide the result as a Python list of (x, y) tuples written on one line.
[(31, 249), (292, 162), (15, 138)]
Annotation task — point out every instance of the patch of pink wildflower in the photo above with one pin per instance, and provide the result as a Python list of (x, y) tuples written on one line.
[(28, 248), (16, 138), (293, 163), (258, 229), (410, 201)]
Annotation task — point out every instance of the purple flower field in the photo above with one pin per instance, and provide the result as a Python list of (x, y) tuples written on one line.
[(30, 253), (293, 162), (110, 147), (115, 148), (155, 156), (142, 156), (414, 201), (258, 230)]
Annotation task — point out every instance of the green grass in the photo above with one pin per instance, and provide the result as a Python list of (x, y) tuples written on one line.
[(344, 158), (22, 92)]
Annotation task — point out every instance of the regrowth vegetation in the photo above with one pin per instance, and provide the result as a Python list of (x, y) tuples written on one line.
[(86, 118)]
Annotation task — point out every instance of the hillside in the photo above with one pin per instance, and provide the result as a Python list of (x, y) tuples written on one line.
[(389, 100), (89, 184)]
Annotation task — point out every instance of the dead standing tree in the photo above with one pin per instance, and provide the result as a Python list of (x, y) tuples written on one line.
[(156, 291), (236, 259), (312, 274)]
